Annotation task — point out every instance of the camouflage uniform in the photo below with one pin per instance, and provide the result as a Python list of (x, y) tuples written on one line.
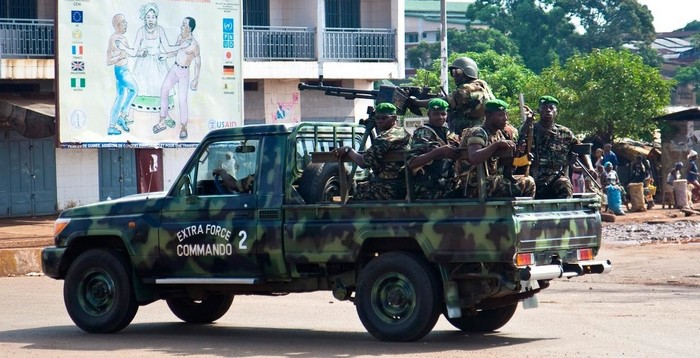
[(387, 180), (467, 105), (496, 184), (436, 179), (552, 151)]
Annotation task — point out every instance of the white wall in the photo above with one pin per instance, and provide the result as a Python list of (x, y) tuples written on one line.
[(174, 159), (77, 181)]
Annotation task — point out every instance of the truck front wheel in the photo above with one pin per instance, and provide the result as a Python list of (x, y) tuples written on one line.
[(98, 293), (207, 310), (398, 297), (484, 320)]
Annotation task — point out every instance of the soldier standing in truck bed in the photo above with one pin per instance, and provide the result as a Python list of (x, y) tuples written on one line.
[(483, 143), (387, 179), (552, 149), (432, 155)]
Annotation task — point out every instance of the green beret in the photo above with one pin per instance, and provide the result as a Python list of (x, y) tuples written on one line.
[(385, 108), (495, 105), (548, 99), (437, 104)]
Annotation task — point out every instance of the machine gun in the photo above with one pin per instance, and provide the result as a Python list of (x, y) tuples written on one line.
[(396, 95)]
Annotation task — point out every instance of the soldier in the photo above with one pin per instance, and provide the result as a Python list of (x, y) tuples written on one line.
[(387, 180), (552, 149), (432, 155), (483, 142), (467, 100)]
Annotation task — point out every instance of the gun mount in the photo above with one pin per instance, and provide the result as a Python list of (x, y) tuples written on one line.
[(397, 95)]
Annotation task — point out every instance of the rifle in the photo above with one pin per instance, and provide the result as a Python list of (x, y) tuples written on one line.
[(396, 95), (524, 160)]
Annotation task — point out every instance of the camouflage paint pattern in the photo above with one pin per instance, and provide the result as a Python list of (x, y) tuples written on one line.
[(293, 247)]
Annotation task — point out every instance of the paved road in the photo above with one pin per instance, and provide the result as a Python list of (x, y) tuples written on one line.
[(576, 318)]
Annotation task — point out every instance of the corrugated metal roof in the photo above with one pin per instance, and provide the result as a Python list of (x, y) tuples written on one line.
[(420, 7)]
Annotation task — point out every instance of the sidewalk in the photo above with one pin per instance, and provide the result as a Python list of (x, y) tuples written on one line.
[(21, 241)]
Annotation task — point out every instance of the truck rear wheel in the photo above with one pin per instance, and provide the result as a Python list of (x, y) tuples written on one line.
[(398, 297), (484, 320), (207, 310), (98, 292)]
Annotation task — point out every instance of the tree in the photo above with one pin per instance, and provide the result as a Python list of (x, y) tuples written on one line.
[(544, 30), (609, 23), (607, 94), (692, 26), (469, 40)]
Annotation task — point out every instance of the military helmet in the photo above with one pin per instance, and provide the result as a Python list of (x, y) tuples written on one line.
[(467, 65)]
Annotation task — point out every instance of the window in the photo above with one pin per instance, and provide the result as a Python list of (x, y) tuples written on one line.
[(411, 37), (343, 13), (237, 158), (14, 9), (256, 12)]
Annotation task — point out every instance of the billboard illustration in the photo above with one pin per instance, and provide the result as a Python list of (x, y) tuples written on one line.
[(147, 73)]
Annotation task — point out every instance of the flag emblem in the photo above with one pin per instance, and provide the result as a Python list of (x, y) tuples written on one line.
[(77, 82), (229, 70), (76, 16), (77, 66), (77, 49)]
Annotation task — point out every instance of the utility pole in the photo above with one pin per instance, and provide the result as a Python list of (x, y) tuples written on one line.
[(443, 45)]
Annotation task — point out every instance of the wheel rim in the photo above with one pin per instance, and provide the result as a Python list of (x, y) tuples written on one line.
[(96, 292), (393, 298), (332, 188)]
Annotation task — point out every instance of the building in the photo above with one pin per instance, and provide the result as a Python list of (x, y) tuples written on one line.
[(423, 22), (350, 43)]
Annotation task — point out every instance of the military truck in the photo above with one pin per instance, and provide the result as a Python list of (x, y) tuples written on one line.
[(290, 225)]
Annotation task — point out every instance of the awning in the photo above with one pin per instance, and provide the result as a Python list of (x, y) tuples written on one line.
[(31, 114)]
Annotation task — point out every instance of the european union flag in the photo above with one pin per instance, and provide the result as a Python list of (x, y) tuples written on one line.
[(76, 16)]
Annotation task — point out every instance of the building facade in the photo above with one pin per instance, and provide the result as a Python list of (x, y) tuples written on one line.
[(348, 43)]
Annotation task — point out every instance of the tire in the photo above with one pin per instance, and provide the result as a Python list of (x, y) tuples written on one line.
[(207, 310), (398, 297), (98, 292), (319, 182), (484, 320)]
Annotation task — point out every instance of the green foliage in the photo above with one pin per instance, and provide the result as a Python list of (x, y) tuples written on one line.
[(480, 40), (692, 26), (608, 94), (543, 29), (423, 54)]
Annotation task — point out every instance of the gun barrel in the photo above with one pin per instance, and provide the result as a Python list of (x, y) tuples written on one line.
[(347, 93)]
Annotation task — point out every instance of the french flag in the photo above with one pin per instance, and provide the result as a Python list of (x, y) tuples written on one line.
[(77, 49)]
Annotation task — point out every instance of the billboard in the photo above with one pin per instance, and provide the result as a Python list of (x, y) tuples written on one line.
[(147, 73)]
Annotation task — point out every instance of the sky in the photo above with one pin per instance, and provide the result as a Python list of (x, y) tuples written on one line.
[(671, 15)]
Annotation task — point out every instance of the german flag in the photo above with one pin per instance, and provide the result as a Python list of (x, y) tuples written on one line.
[(229, 70)]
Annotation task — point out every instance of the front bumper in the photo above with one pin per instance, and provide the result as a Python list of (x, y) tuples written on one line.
[(51, 258)]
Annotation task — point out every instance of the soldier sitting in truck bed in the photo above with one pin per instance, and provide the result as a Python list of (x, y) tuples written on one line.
[(433, 153), (483, 143), (387, 180)]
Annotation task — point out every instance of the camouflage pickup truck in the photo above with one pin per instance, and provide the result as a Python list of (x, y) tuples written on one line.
[(287, 227)]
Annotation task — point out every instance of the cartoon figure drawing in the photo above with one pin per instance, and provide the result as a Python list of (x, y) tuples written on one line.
[(150, 71), (117, 51), (185, 56)]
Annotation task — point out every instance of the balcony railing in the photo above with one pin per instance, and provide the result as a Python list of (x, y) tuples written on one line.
[(34, 38), (343, 44), (268, 43), (26, 38)]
